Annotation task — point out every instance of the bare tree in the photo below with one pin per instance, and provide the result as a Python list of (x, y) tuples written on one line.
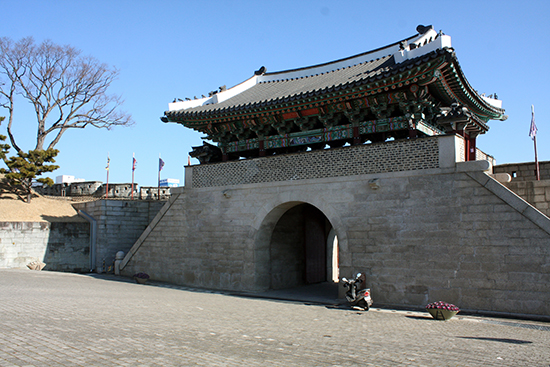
[(66, 90)]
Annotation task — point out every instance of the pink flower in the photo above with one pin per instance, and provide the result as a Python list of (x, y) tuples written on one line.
[(443, 306)]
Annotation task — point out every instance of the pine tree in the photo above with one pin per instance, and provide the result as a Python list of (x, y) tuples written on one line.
[(25, 167)]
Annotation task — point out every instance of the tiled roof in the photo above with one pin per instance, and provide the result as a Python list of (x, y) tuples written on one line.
[(271, 91)]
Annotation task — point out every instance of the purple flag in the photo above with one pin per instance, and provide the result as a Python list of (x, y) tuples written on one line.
[(161, 164)]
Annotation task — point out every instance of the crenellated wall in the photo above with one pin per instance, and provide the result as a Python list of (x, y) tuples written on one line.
[(524, 171)]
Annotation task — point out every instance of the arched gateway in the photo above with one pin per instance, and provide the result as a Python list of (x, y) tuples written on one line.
[(296, 244), (380, 148)]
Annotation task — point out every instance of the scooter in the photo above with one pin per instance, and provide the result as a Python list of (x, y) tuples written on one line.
[(357, 298)]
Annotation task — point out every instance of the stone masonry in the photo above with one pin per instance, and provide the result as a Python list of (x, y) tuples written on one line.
[(430, 228), (119, 225), (537, 193), (523, 183), (524, 171), (62, 246)]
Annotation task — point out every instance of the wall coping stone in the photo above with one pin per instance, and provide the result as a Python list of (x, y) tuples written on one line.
[(510, 198), (148, 230)]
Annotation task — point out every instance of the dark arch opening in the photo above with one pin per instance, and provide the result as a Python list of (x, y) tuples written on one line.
[(302, 249)]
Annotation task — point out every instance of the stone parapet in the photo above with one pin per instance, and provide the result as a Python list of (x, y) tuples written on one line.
[(90, 188), (153, 192), (524, 171), (396, 156), (98, 189)]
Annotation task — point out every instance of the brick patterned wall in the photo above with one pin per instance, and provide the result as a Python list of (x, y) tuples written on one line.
[(462, 150), (421, 236), (395, 156), (482, 156)]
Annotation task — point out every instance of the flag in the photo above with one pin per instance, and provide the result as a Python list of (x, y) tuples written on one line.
[(161, 164), (533, 129), (108, 162), (134, 162)]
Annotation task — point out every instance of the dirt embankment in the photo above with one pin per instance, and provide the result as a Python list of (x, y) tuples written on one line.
[(40, 209)]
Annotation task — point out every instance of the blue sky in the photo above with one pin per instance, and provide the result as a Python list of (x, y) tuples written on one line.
[(178, 49)]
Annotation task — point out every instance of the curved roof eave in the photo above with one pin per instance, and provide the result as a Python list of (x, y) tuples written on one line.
[(261, 76), (267, 89), (373, 76), (485, 110)]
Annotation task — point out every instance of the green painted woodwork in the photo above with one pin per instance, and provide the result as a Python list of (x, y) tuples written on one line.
[(409, 99), (325, 135)]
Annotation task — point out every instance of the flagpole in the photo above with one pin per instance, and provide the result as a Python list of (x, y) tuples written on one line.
[(107, 187), (533, 134), (536, 160), (158, 182), (133, 169)]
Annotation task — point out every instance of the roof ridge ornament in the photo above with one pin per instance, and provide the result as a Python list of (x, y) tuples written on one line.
[(260, 71), (422, 29)]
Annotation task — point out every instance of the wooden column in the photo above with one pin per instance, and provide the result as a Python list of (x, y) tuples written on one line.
[(413, 133), (261, 147), (470, 141), (356, 136)]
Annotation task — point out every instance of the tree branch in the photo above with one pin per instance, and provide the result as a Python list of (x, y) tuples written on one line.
[(65, 89)]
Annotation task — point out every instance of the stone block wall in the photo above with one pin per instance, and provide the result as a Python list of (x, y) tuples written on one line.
[(62, 246), (119, 225), (537, 193), (97, 189), (524, 171), (84, 188), (448, 233), (152, 193)]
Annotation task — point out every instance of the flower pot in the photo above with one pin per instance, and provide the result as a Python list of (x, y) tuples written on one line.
[(441, 314), (140, 280)]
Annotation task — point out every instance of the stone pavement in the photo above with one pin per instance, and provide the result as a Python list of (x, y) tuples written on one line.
[(61, 319)]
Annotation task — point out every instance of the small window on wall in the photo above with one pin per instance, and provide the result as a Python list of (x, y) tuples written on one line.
[(514, 174)]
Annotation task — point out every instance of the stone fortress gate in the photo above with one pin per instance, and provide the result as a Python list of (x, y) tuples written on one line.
[(367, 163)]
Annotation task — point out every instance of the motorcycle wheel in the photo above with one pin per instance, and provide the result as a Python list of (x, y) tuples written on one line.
[(364, 305)]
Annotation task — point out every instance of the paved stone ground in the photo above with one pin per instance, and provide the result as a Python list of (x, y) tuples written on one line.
[(60, 319)]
